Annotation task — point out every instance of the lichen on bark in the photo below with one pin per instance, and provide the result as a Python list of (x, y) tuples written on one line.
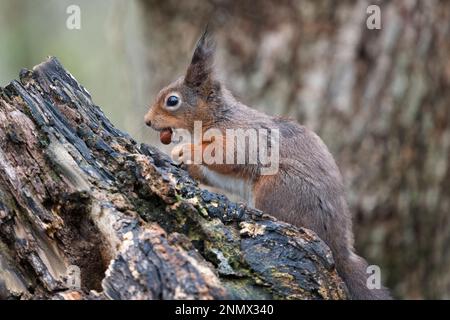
[(74, 190)]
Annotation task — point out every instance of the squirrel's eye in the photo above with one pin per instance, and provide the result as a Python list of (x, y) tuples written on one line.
[(172, 101)]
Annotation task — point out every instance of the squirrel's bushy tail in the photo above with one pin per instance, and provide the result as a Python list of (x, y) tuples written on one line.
[(353, 270)]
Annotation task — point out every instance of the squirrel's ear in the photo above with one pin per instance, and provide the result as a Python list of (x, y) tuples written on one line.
[(200, 70)]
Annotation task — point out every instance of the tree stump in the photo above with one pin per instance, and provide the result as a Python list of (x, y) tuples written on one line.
[(88, 213)]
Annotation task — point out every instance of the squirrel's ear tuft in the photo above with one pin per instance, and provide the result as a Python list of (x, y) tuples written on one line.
[(201, 68)]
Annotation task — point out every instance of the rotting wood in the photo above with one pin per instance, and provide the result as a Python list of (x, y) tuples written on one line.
[(74, 190)]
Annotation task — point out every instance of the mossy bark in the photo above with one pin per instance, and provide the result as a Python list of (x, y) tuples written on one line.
[(75, 191)]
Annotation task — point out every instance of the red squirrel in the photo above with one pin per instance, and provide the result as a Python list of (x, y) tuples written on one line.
[(306, 191)]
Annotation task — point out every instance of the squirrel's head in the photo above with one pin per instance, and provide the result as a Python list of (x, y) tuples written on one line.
[(192, 97)]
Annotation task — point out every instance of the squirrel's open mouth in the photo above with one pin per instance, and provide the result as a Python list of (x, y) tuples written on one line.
[(165, 135)]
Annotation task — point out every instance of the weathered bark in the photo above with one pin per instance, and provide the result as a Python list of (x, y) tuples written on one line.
[(378, 98), (76, 191)]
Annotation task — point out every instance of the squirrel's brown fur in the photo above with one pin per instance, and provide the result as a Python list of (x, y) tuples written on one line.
[(307, 191)]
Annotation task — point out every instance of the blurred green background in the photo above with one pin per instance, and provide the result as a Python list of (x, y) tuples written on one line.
[(380, 99), (31, 30)]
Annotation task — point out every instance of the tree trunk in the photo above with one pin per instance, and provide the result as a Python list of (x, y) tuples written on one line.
[(378, 98), (77, 193)]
